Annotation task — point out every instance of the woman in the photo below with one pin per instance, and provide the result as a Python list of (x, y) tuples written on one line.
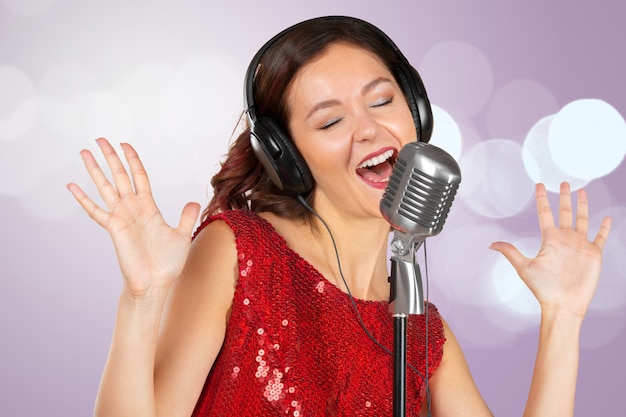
[(273, 309)]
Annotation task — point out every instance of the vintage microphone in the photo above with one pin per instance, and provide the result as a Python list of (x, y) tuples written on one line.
[(416, 203)]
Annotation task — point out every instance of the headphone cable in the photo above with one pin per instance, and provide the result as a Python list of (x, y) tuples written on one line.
[(358, 314)]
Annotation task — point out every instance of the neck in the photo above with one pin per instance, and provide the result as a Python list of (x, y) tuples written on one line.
[(361, 245)]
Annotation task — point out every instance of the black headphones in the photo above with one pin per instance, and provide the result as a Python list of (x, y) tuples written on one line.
[(281, 159)]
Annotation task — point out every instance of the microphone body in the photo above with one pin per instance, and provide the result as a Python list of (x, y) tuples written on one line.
[(416, 203)]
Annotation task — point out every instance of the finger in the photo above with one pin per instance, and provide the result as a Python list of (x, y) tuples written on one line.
[(91, 208), (106, 190), (582, 212), (512, 254), (118, 171), (137, 170), (565, 207), (188, 218), (603, 233), (544, 212)]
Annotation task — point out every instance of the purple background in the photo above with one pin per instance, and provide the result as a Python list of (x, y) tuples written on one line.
[(167, 77)]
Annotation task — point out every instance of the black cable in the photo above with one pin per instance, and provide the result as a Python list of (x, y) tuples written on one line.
[(358, 314)]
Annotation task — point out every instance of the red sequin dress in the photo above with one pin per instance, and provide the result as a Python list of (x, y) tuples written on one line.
[(294, 346)]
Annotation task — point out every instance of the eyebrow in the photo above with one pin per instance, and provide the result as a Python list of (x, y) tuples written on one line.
[(333, 102)]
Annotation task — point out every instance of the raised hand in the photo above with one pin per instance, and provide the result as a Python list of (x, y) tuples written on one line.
[(151, 254), (564, 274)]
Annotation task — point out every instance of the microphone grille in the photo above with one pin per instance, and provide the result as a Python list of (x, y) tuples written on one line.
[(421, 189)]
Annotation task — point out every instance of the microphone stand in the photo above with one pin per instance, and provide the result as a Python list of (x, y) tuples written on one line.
[(406, 298)]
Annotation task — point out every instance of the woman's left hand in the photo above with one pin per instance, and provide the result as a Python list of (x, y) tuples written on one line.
[(564, 274)]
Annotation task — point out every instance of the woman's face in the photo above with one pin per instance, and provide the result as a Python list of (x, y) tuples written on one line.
[(349, 118)]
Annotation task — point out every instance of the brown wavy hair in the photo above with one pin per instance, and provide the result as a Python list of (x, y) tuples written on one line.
[(242, 182)]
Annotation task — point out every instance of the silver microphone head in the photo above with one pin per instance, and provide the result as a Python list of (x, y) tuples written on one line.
[(421, 189)]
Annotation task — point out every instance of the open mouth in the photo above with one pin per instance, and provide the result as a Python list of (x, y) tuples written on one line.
[(378, 168)]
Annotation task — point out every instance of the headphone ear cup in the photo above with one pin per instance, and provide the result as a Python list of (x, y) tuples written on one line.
[(280, 158), (416, 97)]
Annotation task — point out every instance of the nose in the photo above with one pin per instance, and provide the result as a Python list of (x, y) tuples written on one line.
[(367, 127)]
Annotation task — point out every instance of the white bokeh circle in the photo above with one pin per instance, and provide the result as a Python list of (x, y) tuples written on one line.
[(587, 138), (538, 160), (516, 106), (495, 183), (446, 133), (461, 261), (512, 293)]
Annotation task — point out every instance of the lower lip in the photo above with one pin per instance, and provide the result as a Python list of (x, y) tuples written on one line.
[(378, 185)]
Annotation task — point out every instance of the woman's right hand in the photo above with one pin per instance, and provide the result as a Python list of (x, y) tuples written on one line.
[(151, 254)]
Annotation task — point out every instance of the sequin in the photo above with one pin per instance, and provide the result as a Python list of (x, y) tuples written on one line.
[(297, 352)]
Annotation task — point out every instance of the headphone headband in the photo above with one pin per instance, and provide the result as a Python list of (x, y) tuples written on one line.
[(248, 93)]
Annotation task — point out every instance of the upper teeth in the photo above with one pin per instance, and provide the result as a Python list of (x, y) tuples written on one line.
[(377, 159)]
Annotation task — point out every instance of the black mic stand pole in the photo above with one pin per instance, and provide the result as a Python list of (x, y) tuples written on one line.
[(406, 298)]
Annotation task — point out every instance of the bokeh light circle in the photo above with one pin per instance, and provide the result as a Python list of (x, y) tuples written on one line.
[(509, 287), (459, 77), (538, 160), (466, 283), (446, 133), (587, 138), (495, 183), (516, 106)]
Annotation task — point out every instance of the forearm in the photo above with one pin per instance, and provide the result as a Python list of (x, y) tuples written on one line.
[(553, 386), (127, 385)]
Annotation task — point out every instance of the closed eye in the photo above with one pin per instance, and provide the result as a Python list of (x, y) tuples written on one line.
[(382, 102), (330, 123)]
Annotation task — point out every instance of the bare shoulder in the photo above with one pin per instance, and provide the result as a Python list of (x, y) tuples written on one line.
[(204, 291), (212, 263), (217, 236)]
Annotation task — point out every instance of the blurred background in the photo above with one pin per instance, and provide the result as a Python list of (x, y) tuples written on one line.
[(522, 92)]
